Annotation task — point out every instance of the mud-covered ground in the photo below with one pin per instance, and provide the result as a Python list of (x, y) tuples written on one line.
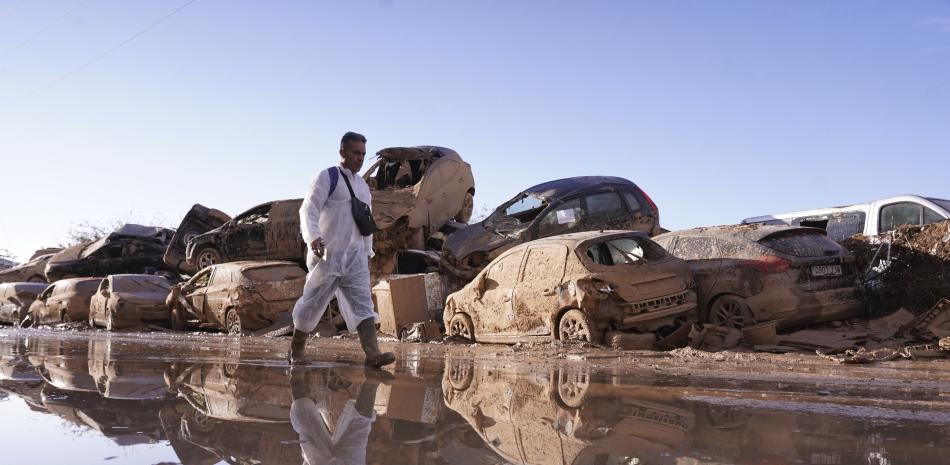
[(202, 399)]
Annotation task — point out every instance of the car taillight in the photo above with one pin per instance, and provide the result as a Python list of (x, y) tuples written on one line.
[(650, 201), (768, 264)]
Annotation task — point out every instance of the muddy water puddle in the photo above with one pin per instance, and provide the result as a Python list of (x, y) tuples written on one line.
[(127, 399)]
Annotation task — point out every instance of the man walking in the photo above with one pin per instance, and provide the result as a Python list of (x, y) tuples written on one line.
[(338, 254)]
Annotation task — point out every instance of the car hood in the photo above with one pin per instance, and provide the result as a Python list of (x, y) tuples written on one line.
[(475, 238)]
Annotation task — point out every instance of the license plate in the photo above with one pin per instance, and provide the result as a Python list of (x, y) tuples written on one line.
[(826, 270)]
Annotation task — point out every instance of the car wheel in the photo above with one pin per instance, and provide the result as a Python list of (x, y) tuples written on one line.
[(36, 279), (461, 325), (460, 373), (576, 326), (207, 256), (468, 205), (110, 320), (730, 311), (232, 322), (572, 387)]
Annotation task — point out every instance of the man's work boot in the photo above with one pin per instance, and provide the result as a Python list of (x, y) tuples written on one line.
[(374, 358), (298, 347)]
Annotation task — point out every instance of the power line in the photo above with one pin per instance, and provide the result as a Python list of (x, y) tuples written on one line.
[(43, 29), (112, 50)]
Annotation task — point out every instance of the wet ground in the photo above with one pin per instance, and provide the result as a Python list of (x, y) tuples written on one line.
[(93, 397)]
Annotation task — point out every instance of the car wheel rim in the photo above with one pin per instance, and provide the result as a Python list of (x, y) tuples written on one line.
[(460, 328), (206, 259), (729, 314), (233, 322), (574, 330)]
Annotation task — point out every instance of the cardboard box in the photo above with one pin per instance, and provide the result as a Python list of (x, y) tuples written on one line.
[(401, 301)]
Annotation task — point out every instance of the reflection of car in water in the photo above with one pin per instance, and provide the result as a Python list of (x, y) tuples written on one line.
[(118, 378), (748, 274), (577, 286), (588, 203), (563, 417), (238, 392)]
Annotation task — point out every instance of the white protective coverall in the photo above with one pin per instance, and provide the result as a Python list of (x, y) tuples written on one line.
[(347, 444), (345, 263)]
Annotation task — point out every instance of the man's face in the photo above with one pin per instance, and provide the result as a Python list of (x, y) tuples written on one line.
[(353, 153)]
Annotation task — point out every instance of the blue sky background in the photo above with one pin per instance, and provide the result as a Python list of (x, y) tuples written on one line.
[(719, 110)]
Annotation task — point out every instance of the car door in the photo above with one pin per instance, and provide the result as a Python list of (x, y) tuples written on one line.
[(219, 292), (563, 218), (535, 296), (56, 303), (197, 292), (496, 315), (704, 256), (246, 236)]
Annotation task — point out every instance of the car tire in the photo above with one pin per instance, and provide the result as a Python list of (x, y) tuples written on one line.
[(232, 322), (729, 310), (461, 326), (460, 373), (468, 206), (206, 257), (575, 325), (572, 387), (178, 321)]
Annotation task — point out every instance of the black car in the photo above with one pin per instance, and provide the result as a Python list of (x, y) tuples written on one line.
[(131, 249), (586, 203)]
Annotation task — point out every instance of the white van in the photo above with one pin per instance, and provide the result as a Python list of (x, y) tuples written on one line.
[(871, 219)]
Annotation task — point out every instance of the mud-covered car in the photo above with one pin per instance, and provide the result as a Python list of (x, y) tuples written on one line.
[(63, 301), (269, 231), (15, 300), (130, 300), (33, 271), (131, 248), (416, 191), (748, 274), (587, 203), (199, 220), (574, 287), (237, 296)]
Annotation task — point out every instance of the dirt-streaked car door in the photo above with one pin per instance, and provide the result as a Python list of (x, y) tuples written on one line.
[(535, 296), (197, 295), (219, 293), (496, 316)]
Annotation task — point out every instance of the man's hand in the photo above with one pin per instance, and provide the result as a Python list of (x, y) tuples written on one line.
[(318, 247)]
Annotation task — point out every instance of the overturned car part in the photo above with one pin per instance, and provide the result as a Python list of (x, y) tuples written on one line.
[(131, 248)]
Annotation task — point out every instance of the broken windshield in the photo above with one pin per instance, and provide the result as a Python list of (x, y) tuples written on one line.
[(516, 214), (625, 251)]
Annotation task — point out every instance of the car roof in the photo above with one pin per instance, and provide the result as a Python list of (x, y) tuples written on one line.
[(564, 187), (18, 287), (579, 237), (751, 232), (135, 276), (838, 209), (415, 153)]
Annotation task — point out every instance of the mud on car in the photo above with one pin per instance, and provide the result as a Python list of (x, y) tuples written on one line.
[(577, 286), (563, 206), (63, 301), (15, 300), (748, 274), (130, 300), (237, 296), (33, 271), (131, 248)]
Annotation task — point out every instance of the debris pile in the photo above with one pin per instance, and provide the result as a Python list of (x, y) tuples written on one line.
[(908, 267)]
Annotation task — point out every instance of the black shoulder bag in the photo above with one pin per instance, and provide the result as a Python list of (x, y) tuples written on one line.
[(361, 212)]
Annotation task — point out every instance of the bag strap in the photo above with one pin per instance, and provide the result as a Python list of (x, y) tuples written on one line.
[(348, 186), (334, 180)]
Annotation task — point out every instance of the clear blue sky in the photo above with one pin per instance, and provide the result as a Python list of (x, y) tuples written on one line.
[(719, 110)]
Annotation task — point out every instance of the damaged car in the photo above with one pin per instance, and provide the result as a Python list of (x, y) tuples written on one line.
[(64, 301), (33, 271), (199, 220), (237, 296), (130, 300), (416, 192), (131, 248), (587, 203), (15, 301), (749, 274), (581, 286)]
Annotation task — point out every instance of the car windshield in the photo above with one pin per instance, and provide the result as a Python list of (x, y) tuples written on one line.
[(803, 244), (516, 214), (944, 204), (624, 251), (140, 284), (273, 273), (392, 173)]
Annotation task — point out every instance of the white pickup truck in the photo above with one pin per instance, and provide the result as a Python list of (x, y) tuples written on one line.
[(871, 219)]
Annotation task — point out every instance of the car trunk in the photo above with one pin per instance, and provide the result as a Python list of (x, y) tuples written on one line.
[(648, 280), (275, 283), (815, 261)]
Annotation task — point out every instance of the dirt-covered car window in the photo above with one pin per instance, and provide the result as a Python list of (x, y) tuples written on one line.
[(896, 215), (740, 248), (87, 287), (202, 279), (504, 272), (697, 248), (562, 220), (931, 216), (256, 216), (141, 284), (804, 244), (273, 273), (626, 251), (517, 215), (606, 204)]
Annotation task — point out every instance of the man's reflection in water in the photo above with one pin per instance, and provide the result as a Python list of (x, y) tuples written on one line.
[(310, 416)]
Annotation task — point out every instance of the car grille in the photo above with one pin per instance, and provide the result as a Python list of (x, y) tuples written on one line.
[(660, 303)]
